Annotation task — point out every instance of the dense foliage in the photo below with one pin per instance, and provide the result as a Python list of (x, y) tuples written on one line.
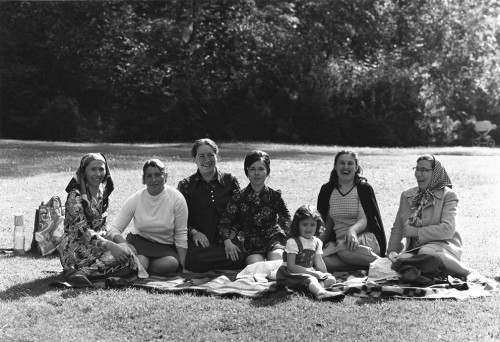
[(358, 72)]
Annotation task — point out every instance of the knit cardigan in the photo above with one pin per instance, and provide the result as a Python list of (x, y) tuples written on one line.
[(370, 207)]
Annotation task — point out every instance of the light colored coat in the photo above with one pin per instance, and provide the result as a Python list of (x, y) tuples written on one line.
[(438, 222)]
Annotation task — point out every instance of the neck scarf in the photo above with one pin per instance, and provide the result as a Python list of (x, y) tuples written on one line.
[(78, 183), (439, 179)]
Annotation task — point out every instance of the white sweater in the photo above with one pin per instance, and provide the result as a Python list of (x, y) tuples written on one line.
[(161, 218)]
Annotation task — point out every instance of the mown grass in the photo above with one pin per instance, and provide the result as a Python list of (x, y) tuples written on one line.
[(32, 311)]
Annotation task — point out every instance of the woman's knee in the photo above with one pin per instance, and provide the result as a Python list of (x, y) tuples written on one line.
[(164, 264), (276, 254), (356, 258), (428, 251), (253, 258)]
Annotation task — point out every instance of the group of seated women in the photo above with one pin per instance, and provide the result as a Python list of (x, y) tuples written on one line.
[(210, 223)]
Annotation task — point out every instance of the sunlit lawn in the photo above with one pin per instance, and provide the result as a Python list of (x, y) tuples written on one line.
[(31, 172)]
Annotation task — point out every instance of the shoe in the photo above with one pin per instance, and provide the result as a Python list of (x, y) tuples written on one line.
[(330, 296), (119, 281), (78, 279)]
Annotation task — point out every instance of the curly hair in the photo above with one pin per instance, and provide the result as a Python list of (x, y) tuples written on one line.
[(304, 212)]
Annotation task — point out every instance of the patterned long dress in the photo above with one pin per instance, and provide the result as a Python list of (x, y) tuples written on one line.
[(262, 221), (83, 244)]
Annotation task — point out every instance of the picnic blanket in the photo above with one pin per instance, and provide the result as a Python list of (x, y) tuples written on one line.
[(357, 284), (219, 283), (256, 281)]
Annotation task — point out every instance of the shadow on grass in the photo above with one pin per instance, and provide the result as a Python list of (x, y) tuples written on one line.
[(37, 287), (369, 301), (33, 288), (271, 299)]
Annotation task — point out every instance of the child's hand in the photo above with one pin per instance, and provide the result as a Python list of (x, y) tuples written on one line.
[(320, 275)]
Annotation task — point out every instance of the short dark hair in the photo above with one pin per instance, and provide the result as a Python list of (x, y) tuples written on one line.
[(154, 163), (255, 156), (304, 212), (204, 141)]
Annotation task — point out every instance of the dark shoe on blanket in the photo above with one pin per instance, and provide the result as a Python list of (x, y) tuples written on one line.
[(119, 281), (78, 279), (330, 296)]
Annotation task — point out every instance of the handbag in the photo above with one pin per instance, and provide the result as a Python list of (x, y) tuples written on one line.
[(421, 270), (49, 227)]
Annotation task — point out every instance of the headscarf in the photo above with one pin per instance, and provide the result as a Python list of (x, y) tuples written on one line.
[(439, 179), (78, 183)]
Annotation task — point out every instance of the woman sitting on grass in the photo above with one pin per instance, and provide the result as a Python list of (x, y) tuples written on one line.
[(257, 215), (303, 269), (354, 232), (426, 219), (159, 213), (207, 193), (84, 251)]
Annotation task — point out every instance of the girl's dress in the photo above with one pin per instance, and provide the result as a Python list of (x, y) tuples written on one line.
[(262, 221), (306, 250)]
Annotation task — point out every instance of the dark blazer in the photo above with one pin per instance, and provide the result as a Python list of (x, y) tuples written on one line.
[(370, 206)]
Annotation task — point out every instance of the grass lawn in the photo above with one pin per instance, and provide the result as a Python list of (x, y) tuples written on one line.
[(31, 172)]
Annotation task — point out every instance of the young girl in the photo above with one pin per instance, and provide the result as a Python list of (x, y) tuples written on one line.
[(303, 269)]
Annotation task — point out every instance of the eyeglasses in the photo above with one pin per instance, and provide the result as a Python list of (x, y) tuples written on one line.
[(421, 169)]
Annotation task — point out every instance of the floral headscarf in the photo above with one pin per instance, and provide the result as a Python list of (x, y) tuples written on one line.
[(78, 183), (439, 179)]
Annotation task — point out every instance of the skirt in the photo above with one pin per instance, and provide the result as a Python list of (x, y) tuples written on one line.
[(369, 240), (150, 248)]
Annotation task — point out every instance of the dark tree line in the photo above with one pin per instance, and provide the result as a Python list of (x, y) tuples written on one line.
[(360, 72)]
